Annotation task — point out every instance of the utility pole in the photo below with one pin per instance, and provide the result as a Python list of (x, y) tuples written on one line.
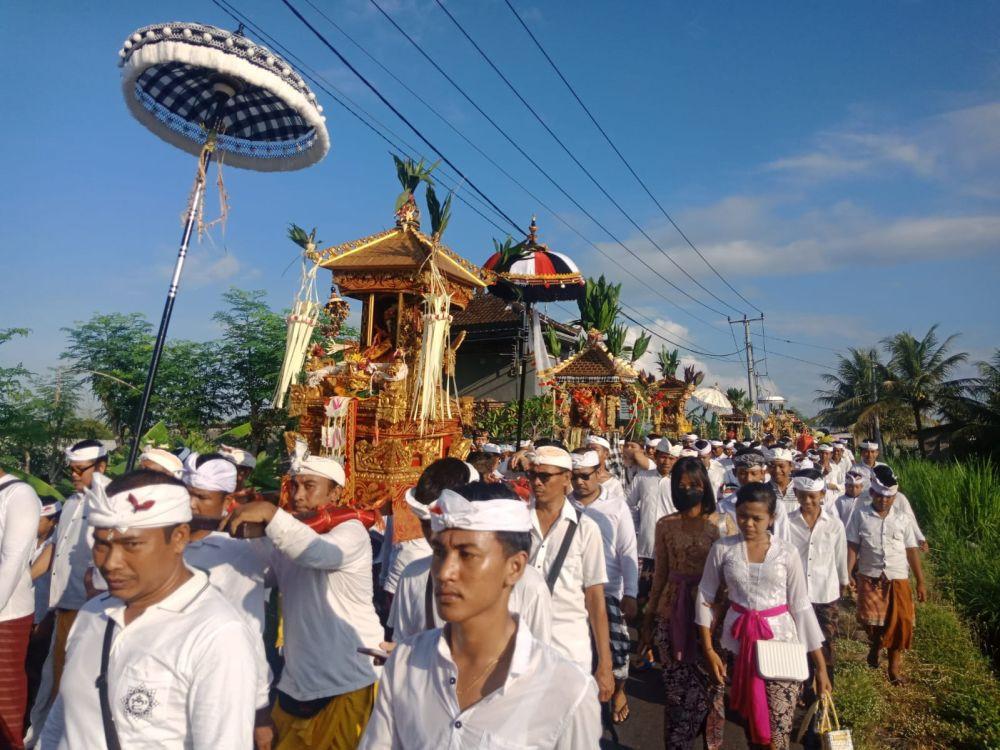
[(878, 427), (752, 391)]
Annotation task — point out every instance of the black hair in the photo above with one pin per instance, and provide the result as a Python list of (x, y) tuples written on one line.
[(90, 443), (808, 473), (481, 462), (204, 458), (511, 541), (758, 492), (140, 478), (443, 474), (542, 442), (689, 466)]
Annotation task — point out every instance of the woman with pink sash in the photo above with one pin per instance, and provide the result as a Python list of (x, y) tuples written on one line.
[(768, 599), (693, 699)]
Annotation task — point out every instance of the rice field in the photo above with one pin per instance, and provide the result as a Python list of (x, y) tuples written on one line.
[(958, 505)]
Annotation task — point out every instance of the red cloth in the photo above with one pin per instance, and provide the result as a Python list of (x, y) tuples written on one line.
[(749, 696), (14, 635), (804, 443)]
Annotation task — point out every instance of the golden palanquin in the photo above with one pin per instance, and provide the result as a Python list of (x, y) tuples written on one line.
[(588, 388), (360, 398), (668, 401)]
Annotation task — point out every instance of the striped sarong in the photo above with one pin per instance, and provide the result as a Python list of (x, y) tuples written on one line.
[(621, 645)]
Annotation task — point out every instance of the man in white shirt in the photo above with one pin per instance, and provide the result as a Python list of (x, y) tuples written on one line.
[(620, 592), (413, 607), (87, 460), (482, 681), (172, 660), (749, 465), (822, 546), (840, 458), (716, 471), (327, 689), (20, 510), (781, 467), (567, 549), (234, 567), (609, 481), (649, 498), (854, 485), (245, 463)]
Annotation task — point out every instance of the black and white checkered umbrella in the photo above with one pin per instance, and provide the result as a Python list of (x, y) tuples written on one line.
[(171, 74), (217, 95)]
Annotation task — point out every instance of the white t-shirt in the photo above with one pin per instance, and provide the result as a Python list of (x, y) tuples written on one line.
[(182, 675), (546, 701), (20, 510), (74, 543), (402, 555), (529, 600), (583, 567), (649, 494), (237, 568), (326, 596), (614, 519), (823, 552)]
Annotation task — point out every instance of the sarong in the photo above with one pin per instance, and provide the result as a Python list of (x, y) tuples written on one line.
[(14, 635), (693, 698), (888, 604), (621, 645), (338, 726), (64, 621)]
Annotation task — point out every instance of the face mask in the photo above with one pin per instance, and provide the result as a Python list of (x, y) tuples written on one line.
[(688, 497)]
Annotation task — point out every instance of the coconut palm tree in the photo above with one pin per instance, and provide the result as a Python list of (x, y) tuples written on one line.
[(920, 373), (972, 418), (857, 392)]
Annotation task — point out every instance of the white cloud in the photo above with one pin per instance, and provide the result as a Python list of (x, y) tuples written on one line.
[(208, 267)]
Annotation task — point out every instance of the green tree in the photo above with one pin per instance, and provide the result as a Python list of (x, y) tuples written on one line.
[(971, 417), (920, 373), (857, 391), (252, 349), (190, 386)]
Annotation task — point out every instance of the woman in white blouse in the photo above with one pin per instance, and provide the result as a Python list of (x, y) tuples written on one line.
[(768, 598)]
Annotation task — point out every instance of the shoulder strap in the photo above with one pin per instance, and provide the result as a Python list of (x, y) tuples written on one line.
[(557, 564), (110, 733), (429, 603)]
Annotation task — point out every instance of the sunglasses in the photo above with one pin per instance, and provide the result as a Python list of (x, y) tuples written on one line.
[(79, 471), (580, 477), (542, 477)]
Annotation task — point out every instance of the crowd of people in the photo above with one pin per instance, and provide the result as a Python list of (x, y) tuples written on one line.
[(175, 607)]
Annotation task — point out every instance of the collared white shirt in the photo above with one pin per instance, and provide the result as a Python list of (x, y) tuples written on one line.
[(546, 701), (402, 554), (614, 519), (649, 494), (181, 675), (326, 595), (20, 509), (529, 600), (903, 503), (823, 552), (882, 542), (583, 567), (74, 542), (716, 476), (777, 581), (786, 498), (846, 505)]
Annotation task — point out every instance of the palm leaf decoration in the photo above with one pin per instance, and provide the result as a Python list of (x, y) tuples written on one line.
[(668, 361), (307, 242), (410, 174), (440, 213), (614, 339), (553, 341), (640, 345), (599, 306), (509, 252)]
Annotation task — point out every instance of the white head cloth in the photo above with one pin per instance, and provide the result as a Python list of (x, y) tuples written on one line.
[(585, 460), (868, 445), (421, 511), (650, 443), (854, 478), (524, 444), (805, 463), (491, 448), (598, 440), (238, 456), (886, 490), (551, 455), (166, 459), (689, 453), (663, 446), (473, 472), (141, 508), (87, 453), (320, 467), (703, 447), (781, 454), (729, 444), (716, 443), (676, 451), (50, 509), (452, 511), (825, 448), (691, 437), (189, 461), (806, 484), (214, 475)]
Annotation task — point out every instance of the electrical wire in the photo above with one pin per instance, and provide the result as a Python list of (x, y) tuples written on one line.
[(622, 157), (583, 168), (798, 343), (540, 170), (804, 361)]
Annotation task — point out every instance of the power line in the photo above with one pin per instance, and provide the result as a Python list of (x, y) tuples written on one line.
[(622, 157), (799, 343), (395, 111), (580, 164), (541, 171), (799, 359)]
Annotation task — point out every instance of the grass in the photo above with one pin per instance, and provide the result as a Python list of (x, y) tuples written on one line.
[(952, 697)]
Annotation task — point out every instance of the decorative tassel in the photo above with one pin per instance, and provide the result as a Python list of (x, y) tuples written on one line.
[(300, 325), (428, 403)]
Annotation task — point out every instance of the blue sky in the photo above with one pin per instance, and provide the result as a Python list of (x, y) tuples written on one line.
[(839, 164)]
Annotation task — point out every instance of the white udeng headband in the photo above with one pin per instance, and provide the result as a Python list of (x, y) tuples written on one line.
[(88, 453), (883, 489), (421, 511), (216, 475), (868, 446), (142, 508), (805, 484), (452, 511)]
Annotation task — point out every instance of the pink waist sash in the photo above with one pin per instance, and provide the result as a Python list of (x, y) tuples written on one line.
[(749, 696)]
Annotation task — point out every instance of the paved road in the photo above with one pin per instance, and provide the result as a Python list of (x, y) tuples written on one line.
[(644, 728)]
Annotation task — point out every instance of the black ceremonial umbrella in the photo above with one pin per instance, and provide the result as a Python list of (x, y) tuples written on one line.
[(216, 93)]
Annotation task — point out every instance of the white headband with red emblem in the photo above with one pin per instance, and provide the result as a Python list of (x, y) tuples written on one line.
[(140, 508)]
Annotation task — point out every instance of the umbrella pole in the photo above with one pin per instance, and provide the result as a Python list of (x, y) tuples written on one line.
[(523, 372), (168, 307)]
